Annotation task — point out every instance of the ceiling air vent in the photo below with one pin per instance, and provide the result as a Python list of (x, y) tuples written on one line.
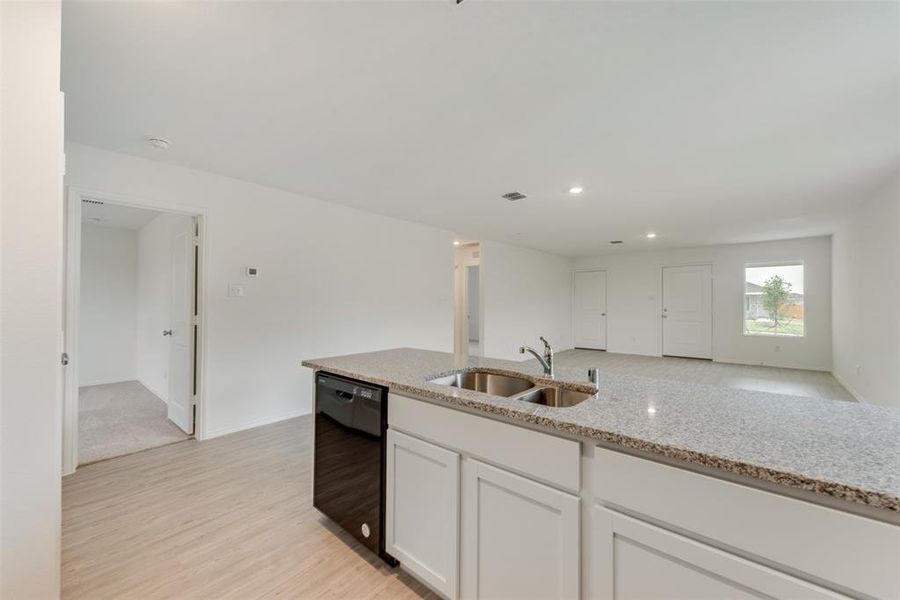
[(616, 242), (90, 201), (513, 196)]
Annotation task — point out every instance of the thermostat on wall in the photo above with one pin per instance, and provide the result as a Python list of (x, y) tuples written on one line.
[(251, 272)]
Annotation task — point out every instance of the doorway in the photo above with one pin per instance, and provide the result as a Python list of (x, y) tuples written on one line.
[(473, 279), (589, 309), (468, 318), (132, 328), (687, 311)]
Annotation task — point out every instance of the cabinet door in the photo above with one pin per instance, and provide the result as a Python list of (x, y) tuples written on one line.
[(631, 559), (422, 512), (520, 539)]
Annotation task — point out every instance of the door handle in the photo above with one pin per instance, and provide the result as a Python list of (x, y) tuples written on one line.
[(167, 332)]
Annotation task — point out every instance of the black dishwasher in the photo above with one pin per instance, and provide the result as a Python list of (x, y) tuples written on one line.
[(349, 457)]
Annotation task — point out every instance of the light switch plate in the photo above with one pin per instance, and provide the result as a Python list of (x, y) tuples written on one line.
[(235, 291)]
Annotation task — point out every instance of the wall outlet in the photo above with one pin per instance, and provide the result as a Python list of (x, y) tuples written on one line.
[(777, 348), (235, 291)]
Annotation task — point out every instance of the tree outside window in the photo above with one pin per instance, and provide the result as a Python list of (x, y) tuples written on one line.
[(774, 300)]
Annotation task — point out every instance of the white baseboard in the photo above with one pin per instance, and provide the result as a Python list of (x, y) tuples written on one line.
[(162, 396), (859, 397), (82, 384), (258, 423), (777, 365)]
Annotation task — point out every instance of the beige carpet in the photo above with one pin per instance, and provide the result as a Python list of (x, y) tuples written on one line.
[(121, 418)]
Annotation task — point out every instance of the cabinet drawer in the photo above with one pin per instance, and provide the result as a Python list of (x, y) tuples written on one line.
[(846, 551), (636, 560), (541, 456)]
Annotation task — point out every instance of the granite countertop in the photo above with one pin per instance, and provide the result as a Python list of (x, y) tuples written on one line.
[(845, 450)]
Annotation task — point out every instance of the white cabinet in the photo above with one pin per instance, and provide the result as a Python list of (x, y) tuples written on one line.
[(520, 539), (632, 559), (841, 551), (422, 512), (482, 509)]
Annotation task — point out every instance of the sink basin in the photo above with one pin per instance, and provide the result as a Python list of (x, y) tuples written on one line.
[(555, 396), (489, 383)]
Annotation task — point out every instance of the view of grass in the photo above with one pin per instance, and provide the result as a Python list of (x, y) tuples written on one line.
[(767, 327)]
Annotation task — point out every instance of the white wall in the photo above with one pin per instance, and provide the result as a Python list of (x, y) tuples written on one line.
[(866, 302), (333, 280), (154, 305), (31, 301), (107, 336), (525, 294), (634, 301)]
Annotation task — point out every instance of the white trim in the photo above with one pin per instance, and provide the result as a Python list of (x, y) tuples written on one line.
[(258, 423), (781, 364), (72, 276), (856, 395), (74, 196), (152, 390), (82, 385), (461, 299)]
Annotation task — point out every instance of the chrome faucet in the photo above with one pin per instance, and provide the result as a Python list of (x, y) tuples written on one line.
[(594, 378), (546, 360)]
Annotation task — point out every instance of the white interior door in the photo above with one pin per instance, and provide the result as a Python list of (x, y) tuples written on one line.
[(687, 311), (181, 332), (590, 309)]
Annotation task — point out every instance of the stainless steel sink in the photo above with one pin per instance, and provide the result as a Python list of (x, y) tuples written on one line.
[(557, 397), (489, 383)]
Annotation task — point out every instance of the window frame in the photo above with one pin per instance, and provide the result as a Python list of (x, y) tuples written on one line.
[(771, 263)]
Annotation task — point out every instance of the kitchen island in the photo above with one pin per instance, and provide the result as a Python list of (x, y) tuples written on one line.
[(717, 491)]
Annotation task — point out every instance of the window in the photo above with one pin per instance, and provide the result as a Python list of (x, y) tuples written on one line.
[(773, 300)]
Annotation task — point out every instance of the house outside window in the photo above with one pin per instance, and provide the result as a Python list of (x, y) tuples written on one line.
[(774, 300)]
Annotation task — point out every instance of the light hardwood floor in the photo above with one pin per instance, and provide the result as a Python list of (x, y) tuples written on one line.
[(232, 517), (228, 518)]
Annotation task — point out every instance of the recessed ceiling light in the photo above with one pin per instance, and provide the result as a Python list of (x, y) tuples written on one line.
[(576, 190), (651, 235), (158, 142), (456, 242)]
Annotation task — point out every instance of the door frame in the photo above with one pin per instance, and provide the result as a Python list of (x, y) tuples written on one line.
[(461, 262), (73, 200), (712, 294), (605, 302)]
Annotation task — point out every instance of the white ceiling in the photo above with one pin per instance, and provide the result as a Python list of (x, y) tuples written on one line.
[(704, 122), (115, 215)]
